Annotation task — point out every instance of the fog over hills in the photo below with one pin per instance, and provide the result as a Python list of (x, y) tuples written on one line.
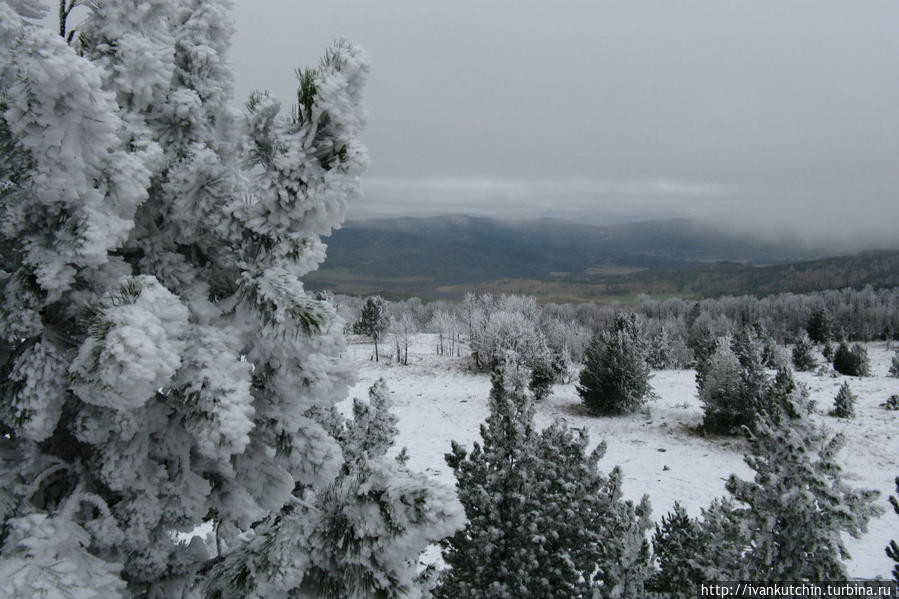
[(427, 255)]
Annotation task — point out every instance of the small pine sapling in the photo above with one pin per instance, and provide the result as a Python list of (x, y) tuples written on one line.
[(374, 321), (803, 354), (828, 351), (892, 403), (844, 402), (894, 365)]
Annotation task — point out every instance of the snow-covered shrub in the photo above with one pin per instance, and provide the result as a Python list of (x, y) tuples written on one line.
[(844, 402), (542, 521), (892, 402), (503, 326), (894, 365), (851, 361), (615, 378)]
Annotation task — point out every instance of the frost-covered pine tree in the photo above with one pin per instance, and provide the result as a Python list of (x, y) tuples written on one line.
[(844, 402), (792, 515), (615, 378), (735, 389), (359, 537), (163, 360), (658, 354), (542, 521), (803, 353), (720, 390), (894, 365), (545, 370)]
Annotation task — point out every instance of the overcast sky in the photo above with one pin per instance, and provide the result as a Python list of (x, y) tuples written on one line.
[(751, 112)]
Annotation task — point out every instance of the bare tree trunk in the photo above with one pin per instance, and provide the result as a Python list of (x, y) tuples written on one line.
[(62, 18)]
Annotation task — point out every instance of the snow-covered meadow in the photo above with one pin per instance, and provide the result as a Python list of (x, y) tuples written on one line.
[(438, 399)]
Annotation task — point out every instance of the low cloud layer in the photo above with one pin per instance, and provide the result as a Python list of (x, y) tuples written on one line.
[(767, 115)]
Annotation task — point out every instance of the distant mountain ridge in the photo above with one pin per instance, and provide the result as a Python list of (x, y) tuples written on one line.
[(427, 255)]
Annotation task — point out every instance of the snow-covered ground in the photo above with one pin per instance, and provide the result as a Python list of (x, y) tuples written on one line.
[(437, 399)]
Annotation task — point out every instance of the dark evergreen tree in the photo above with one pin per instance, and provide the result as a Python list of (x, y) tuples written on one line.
[(544, 372), (373, 321), (703, 347), (828, 351), (615, 378), (676, 544), (851, 361), (803, 354), (820, 326), (542, 521), (844, 402), (893, 549)]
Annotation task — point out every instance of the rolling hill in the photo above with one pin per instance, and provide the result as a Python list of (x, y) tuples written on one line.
[(448, 255)]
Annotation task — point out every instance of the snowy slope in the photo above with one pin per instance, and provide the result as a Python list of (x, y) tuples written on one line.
[(438, 400)]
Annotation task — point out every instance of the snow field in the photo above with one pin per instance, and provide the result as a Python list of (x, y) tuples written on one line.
[(438, 400)]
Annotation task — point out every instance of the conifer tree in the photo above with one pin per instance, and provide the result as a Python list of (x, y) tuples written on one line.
[(893, 549), (735, 389), (894, 365), (852, 361), (615, 378), (373, 321), (844, 402), (828, 351), (792, 515), (803, 356), (359, 537), (544, 372), (164, 362), (676, 546), (542, 521), (820, 326)]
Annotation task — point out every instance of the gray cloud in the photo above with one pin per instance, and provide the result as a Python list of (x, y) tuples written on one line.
[(761, 113)]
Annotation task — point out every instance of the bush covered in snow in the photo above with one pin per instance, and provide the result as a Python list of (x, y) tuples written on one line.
[(851, 361)]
